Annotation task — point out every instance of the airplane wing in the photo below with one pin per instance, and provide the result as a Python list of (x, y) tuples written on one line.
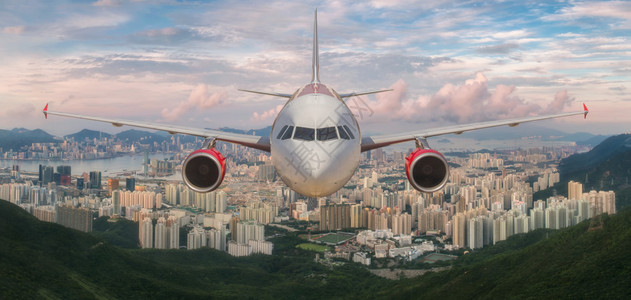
[(374, 142), (282, 95), (252, 141), (347, 95)]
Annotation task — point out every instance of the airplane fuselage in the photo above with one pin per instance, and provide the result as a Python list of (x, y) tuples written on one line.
[(315, 141)]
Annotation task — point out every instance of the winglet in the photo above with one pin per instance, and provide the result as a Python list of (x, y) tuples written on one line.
[(315, 64), (45, 111), (586, 111)]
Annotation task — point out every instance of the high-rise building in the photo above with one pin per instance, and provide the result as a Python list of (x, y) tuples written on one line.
[(236, 249), (263, 247), (46, 174), (574, 190), (262, 213), (401, 224), (459, 230), (334, 217), (196, 238), (537, 218), (112, 184), (220, 202), (116, 202), (217, 238), (266, 172), (130, 184), (64, 170), (146, 233), (173, 232), (95, 180), (80, 183), (522, 224), (161, 234), (357, 216), (476, 233), (249, 231), (76, 218)]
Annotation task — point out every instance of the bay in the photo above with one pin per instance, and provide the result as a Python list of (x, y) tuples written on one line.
[(109, 167)]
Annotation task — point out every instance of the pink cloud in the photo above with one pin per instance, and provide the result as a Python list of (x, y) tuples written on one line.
[(561, 99), (472, 101), (266, 115), (13, 30), (20, 110), (107, 3), (201, 98)]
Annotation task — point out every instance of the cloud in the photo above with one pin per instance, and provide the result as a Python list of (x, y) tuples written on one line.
[(13, 30), (511, 34), (24, 110), (266, 115), (107, 3), (472, 101), (561, 100), (498, 49), (200, 98), (618, 88), (617, 10), (609, 9)]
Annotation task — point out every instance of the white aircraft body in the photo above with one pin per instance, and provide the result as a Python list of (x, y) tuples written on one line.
[(316, 142)]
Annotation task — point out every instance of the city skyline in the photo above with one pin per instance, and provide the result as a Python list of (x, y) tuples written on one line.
[(183, 63), (504, 199)]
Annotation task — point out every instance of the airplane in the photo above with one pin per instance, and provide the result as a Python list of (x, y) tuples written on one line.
[(316, 142)]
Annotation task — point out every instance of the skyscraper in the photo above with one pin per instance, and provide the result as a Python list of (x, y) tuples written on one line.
[(459, 230), (574, 190), (161, 234), (130, 184), (95, 180), (173, 231), (112, 184), (64, 170), (146, 233), (116, 202), (46, 174), (76, 218), (80, 183)]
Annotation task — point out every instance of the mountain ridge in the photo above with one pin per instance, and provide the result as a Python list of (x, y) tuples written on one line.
[(606, 167)]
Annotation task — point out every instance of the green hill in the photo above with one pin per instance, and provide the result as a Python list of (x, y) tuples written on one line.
[(606, 167), (88, 134), (19, 137), (575, 263), (44, 260)]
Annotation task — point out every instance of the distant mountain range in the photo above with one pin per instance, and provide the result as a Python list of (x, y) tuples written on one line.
[(260, 132), (129, 136), (532, 130), (20, 137), (606, 167)]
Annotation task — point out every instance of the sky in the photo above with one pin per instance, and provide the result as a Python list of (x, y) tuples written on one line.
[(182, 62)]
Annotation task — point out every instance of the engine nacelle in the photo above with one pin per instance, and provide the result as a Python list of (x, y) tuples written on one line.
[(427, 170), (203, 170)]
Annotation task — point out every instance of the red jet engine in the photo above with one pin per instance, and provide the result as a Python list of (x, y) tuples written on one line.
[(427, 170), (203, 170)]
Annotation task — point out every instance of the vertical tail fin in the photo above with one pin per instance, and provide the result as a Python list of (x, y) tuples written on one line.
[(315, 76)]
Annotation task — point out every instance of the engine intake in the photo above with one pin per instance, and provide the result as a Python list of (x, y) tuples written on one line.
[(203, 170), (427, 170)]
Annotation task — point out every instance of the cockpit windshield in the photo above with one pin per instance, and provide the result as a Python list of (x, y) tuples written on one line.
[(305, 134), (311, 134), (327, 133)]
